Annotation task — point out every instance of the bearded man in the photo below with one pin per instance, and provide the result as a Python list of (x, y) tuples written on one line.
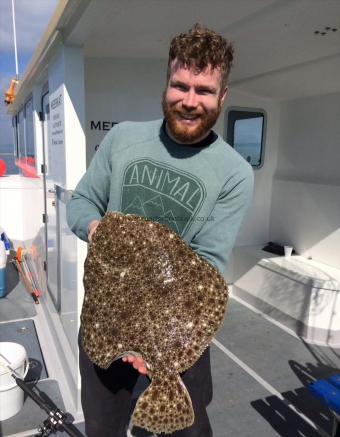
[(179, 172)]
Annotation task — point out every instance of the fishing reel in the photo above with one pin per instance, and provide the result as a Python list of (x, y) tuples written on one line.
[(55, 421)]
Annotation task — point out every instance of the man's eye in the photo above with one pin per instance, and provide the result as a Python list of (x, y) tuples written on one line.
[(204, 92), (181, 87)]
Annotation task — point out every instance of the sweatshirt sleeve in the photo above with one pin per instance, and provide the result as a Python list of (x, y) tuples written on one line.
[(91, 196), (216, 238)]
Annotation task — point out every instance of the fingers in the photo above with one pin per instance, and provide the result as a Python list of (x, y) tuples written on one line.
[(92, 229), (137, 362), (142, 370)]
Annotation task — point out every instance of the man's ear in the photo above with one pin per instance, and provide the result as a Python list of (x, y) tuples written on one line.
[(224, 94)]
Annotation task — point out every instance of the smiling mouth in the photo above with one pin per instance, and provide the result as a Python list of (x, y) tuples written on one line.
[(189, 117)]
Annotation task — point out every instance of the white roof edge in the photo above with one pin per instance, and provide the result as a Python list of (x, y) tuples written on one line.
[(65, 11)]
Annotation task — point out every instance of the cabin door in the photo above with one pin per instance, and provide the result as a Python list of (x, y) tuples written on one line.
[(52, 252)]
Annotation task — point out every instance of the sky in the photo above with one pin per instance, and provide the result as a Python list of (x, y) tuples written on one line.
[(32, 18)]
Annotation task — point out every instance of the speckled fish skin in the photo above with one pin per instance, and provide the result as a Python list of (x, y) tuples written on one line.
[(148, 293)]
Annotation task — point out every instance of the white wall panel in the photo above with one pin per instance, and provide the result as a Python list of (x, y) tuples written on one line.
[(119, 90), (307, 216), (309, 140), (18, 218), (306, 193)]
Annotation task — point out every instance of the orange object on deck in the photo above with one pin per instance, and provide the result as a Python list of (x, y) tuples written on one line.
[(27, 166), (10, 93), (3, 167)]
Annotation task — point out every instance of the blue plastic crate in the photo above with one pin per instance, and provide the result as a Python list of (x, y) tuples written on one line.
[(328, 393), (335, 380)]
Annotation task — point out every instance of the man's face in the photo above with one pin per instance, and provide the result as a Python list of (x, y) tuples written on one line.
[(192, 102)]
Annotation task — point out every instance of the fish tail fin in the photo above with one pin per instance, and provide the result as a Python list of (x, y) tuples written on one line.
[(165, 406)]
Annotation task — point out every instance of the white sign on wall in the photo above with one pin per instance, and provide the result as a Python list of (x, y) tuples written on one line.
[(57, 118), (56, 153)]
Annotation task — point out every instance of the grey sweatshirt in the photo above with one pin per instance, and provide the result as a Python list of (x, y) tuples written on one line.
[(202, 192)]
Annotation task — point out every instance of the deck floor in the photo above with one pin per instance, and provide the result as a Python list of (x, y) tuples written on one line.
[(260, 375)]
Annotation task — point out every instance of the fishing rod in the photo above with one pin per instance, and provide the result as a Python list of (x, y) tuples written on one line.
[(15, 43), (56, 420)]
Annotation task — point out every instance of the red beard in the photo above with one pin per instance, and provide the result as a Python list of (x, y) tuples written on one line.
[(188, 134)]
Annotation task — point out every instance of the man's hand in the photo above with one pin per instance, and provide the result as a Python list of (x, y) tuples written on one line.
[(92, 229), (137, 362)]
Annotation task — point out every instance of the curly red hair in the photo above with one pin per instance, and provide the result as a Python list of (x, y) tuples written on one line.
[(200, 47)]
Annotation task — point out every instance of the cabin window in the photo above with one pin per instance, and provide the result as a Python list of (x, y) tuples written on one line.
[(25, 140), (21, 134), (246, 133), (15, 135), (8, 150), (29, 135)]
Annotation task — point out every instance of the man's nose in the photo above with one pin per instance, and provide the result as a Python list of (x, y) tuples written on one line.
[(190, 99)]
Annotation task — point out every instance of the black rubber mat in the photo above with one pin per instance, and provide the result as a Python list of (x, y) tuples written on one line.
[(24, 333)]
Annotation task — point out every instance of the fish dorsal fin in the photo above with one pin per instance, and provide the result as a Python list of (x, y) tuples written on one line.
[(165, 406)]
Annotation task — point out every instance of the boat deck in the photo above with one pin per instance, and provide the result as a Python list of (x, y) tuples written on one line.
[(260, 376), (260, 373)]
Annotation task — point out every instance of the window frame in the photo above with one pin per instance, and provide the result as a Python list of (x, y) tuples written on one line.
[(27, 101), (15, 134), (249, 112), (21, 135)]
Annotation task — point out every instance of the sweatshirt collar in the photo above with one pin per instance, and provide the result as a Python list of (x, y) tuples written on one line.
[(211, 138)]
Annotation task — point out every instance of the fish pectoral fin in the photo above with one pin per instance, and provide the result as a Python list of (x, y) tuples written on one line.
[(165, 406)]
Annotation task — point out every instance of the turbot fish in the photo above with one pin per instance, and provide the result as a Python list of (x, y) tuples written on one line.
[(148, 293)]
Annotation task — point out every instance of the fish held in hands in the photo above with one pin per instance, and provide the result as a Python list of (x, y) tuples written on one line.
[(147, 293)]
